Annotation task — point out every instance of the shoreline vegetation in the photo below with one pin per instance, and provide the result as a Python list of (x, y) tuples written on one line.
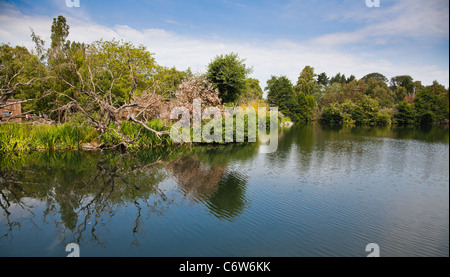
[(16, 137), (78, 136), (113, 94)]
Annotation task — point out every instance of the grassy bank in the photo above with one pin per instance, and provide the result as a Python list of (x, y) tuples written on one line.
[(24, 137)]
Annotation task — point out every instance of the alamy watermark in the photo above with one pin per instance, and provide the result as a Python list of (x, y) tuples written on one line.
[(73, 249), (73, 3), (374, 250), (234, 121), (373, 3)]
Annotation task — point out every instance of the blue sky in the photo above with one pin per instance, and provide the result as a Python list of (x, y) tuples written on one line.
[(275, 37)]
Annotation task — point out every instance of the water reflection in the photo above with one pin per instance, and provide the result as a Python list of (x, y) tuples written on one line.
[(203, 176), (315, 146), (324, 192), (80, 192), (77, 191)]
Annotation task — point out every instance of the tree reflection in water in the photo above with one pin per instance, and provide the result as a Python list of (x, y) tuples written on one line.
[(82, 191)]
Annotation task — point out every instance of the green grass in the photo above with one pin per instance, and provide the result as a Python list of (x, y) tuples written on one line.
[(15, 137), (20, 137)]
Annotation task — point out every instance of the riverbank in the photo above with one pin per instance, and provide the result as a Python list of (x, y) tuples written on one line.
[(129, 135), (26, 137), (16, 137)]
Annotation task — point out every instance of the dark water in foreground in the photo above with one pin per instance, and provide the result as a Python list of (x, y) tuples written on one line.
[(324, 192)]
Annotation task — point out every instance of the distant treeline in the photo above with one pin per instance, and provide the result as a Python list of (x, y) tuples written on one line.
[(371, 100)]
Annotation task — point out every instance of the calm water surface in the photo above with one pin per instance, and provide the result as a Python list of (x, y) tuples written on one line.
[(324, 192)]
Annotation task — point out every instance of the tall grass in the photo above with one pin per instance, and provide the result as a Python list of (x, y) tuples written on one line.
[(16, 137), (20, 137), (46, 137)]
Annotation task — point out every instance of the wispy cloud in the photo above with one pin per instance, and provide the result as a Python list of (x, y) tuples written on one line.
[(170, 21), (400, 23)]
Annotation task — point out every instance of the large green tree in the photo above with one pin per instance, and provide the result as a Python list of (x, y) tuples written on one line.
[(431, 104), (377, 89), (298, 106), (228, 74), (280, 93), (63, 59), (22, 77), (304, 107), (60, 31), (404, 81), (306, 81), (323, 79), (376, 76)]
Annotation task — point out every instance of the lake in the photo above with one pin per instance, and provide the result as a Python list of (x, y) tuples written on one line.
[(324, 192)]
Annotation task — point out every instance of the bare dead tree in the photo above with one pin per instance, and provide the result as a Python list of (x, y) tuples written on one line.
[(104, 103)]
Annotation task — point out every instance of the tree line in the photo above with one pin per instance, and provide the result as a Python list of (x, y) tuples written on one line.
[(373, 99), (110, 84)]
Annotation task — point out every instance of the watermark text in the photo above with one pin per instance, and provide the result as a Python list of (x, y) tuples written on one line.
[(73, 3), (373, 3), (236, 122)]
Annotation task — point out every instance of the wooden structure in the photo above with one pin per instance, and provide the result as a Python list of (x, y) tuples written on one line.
[(11, 111)]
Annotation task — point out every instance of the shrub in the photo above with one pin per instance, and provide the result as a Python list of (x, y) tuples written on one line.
[(383, 118), (404, 113), (332, 114)]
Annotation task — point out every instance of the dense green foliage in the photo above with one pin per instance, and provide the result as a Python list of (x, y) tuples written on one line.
[(228, 73), (281, 94), (252, 92), (290, 100), (370, 100)]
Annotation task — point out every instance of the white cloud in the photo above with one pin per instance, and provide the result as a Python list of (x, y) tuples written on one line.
[(413, 19), (15, 26), (281, 57), (170, 21)]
